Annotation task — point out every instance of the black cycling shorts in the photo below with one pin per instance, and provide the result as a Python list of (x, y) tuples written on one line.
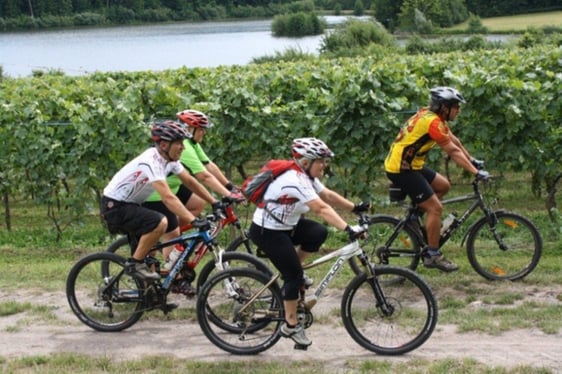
[(128, 218), (415, 183), (279, 246)]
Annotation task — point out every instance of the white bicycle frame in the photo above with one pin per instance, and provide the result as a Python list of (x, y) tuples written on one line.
[(343, 254)]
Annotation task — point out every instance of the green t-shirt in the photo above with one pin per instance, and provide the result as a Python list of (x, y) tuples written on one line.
[(193, 159)]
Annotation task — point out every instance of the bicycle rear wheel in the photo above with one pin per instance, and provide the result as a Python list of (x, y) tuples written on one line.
[(238, 314), (403, 322), (101, 295), (403, 250), (508, 249)]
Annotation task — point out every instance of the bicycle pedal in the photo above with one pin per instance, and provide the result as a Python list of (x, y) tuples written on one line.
[(301, 347), (169, 307)]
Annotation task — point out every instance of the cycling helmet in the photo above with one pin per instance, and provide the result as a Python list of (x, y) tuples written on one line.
[(194, 118), (169, 131), (310, 148), (446, 95)]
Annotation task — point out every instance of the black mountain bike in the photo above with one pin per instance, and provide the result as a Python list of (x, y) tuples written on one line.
[(106, 298), (499, 245)]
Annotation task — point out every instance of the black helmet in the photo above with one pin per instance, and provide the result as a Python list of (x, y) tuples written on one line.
[(169, 131), (446, 95)]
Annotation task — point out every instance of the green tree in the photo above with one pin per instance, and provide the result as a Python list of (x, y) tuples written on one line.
[(358, 8)]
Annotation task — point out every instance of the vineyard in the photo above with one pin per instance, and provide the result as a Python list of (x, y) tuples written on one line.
[(64, 137)]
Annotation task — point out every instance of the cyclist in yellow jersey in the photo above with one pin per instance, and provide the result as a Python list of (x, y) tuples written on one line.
[(405, 164)]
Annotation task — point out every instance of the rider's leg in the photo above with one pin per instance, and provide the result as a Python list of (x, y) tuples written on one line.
[(440, 185), (148, 240), (280, 249), (433, 209), (309, 235), (195, 205)]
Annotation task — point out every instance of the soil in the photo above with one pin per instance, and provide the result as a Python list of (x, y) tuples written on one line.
[(28, 334)]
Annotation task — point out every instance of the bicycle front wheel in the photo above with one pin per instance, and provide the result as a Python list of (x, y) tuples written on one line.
[(386, 245), (508, 248), (101, 295), (400, 319), (238, 314)]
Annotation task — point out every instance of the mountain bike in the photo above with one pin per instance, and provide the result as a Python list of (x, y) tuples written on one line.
[(183, 285), (500, 244), (240, 310), (105, 297)]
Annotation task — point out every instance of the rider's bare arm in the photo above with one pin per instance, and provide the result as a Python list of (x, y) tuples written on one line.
[(196, 187), (335, 199), (326, 212), (458, 155), (208, 179)]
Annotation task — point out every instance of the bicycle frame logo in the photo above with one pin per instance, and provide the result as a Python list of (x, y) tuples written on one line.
[(343, 255)]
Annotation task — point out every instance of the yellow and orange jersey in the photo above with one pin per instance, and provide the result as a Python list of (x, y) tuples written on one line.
[(420, 133)]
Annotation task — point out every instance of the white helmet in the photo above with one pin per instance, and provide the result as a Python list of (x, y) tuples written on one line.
[(310, 148), (446, 95)]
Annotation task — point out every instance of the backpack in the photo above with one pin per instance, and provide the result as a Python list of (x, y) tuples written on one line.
[(254, 187)]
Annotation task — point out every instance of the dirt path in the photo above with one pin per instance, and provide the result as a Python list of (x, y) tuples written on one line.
[(26, 334)]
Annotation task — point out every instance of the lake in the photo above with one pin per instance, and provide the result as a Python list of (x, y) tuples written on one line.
[(147, 47)]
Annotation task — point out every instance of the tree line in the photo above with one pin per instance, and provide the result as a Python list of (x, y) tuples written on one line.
[(32, 14)]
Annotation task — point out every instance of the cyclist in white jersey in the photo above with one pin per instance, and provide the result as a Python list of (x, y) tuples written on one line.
[(128, 189), (279, 227)]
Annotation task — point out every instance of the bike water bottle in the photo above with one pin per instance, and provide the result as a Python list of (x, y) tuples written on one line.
[(447, 222), (173, 257)]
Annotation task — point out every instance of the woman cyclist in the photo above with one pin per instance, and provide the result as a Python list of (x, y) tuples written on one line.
[(285, 236)]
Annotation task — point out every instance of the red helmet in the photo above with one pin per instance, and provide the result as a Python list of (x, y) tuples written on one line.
[(169, 131), (194, 118)]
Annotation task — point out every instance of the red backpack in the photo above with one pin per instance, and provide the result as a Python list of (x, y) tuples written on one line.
[(254, 187)]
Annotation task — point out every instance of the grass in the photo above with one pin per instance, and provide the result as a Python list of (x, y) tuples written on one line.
[(518, 23)]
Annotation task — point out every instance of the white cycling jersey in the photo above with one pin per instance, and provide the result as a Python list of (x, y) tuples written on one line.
[(291, 184), (133, 183)]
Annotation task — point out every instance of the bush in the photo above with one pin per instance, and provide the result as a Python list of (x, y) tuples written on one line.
[(89, 19), (156, 15), (531, 38), (121, 15), (475, 25), (297, 24), (355, 34), (290, 54)]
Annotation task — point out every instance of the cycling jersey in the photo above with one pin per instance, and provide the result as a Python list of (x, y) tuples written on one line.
[(193, 159), (290, 185), (418, 136), (133, 183)]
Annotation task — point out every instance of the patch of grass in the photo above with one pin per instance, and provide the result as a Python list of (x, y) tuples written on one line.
[(518, 22), (72, 363), (8, 308)]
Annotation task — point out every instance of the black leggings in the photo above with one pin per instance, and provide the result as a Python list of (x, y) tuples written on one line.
[(279, 246)]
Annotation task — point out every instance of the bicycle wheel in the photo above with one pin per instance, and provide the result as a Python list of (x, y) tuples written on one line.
[(241, 244), (403, 250), (105, 300), (120, 246), (405, 320), (231, 321), (232, 260), (508, 249)]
